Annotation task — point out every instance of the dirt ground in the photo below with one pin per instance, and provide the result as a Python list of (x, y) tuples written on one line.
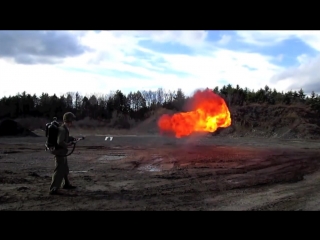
[(151, 172)]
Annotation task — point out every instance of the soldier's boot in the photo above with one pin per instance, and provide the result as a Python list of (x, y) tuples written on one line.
[(67, 184), (55, 192)]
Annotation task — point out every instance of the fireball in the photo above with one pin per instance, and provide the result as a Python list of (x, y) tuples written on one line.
[(209, 111)]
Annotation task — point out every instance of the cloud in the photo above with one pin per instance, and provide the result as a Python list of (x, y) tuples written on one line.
[(270, 38), (117, 52), (262, 38), (225, 39), (279, 57), (306, 75), (32, 47), (103, 61), (187, 38)]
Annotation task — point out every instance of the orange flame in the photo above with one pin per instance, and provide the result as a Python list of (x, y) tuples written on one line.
[(210, 112)]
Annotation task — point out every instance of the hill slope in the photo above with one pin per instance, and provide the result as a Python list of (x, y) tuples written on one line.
[(278, 121)]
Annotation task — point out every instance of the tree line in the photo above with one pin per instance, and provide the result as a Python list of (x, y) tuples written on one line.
[(139, 105)]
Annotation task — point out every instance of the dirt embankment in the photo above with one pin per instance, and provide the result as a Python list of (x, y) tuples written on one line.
[(269, 121), (9, 127), (278, 121), (255, 120)]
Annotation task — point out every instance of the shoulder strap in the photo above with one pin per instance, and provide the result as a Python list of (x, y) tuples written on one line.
[(65, 127)]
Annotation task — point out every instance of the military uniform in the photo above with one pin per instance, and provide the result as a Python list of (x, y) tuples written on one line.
[(61, 171)]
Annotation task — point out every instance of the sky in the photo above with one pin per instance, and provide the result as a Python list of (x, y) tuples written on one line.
[(97, 62)]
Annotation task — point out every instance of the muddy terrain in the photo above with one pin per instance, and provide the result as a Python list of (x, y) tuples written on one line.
[(152, 172)]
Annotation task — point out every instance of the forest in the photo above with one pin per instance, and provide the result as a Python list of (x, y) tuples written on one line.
[(140, 105)]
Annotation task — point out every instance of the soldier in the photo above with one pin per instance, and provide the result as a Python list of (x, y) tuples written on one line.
[(61, 171)]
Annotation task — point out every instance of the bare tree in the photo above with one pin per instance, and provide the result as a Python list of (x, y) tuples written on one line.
[(147, 96), (69, 99), (73, 97), (153, 96), (160, 96), (138, 101), (93, 100), (172, 95), (78, 100)]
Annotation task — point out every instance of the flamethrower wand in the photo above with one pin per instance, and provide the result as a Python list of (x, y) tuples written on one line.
[(74, 142)]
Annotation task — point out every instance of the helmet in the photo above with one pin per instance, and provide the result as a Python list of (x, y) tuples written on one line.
[(69, 117)]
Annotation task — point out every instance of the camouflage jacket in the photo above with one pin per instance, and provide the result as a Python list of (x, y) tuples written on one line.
[(63, 137)]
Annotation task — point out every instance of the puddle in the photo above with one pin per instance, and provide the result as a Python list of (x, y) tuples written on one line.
[(167, 166), (157, 164), (156, 168), (156, 158), (184, 164), (150, 168), (112, 156)]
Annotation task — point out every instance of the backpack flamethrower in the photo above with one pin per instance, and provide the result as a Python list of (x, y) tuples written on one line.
[(52, 133)]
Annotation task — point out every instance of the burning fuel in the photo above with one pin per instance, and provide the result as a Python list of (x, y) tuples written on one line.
[(209, 111)]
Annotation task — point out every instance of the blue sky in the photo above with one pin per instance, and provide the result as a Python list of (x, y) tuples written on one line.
[(97, 62)]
